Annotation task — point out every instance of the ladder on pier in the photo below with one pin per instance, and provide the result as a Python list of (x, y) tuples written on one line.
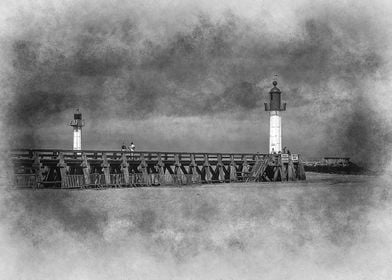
[(258, 169)]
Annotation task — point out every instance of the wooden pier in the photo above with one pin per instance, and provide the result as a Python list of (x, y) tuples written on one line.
[(40, 168)]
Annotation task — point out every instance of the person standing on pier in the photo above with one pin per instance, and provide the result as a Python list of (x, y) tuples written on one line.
[(132, 148), (123, 147)]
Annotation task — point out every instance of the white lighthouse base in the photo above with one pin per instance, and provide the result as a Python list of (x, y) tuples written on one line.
[(275, 132), (77, 138)]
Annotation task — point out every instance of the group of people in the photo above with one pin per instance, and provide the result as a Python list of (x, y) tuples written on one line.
[(284, 151), (131, 147)]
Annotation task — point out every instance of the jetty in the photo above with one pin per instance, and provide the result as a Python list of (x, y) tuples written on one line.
[(46, 168), (80, 168)]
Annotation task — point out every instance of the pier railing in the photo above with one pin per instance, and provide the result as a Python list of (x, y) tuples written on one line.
[(47, 154)]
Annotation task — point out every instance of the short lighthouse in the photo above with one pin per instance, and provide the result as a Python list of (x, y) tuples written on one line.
[(274, 107), (77, 123)]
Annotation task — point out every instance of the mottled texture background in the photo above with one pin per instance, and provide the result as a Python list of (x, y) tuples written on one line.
[(330, 227), (193, 76)]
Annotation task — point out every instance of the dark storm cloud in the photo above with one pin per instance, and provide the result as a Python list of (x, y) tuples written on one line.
[(362, 134), (225, 51)]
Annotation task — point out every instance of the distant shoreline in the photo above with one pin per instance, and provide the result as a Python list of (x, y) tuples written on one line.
[(350, 168)]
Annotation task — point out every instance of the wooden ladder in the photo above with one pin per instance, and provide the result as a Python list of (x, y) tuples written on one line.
[(258, 169)]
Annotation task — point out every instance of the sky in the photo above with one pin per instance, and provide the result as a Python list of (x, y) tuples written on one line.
[(186, 76)]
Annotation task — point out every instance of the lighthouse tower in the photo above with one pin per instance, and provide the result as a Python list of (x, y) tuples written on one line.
[(77, 123), (274, 107)]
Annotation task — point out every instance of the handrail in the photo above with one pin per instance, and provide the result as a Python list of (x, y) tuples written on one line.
[(127, 151)]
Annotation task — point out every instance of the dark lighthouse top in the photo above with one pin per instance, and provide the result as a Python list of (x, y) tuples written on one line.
[(77, 121), (275, 100)]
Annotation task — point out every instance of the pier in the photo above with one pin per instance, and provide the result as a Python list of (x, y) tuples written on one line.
[(45, 168), (79, 168)]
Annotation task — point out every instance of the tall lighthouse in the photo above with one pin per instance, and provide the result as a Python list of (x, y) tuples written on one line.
[(77, 123), (274, 107)]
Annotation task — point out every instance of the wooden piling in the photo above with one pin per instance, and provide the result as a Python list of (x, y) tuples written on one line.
[(63, 170), (301, 169), (220, 166), (125, 168), (193, 169), (245, 168), (161, 169), (207, 170), (106, 168), (291, 170), (38, 169), (86, 169), (233, 169), (143, 168)]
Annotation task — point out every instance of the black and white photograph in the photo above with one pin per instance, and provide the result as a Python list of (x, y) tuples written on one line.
[(195, 140)]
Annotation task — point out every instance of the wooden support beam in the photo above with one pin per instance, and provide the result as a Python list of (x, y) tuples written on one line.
[(86, 169), (220, 167), (184, 171), (214, 173), (38, 169), (161, 170), (245, 168), (143, 169), (106, 168), (177, 165), (160, 165), (291, 170), (278, 169), (284, 172), (193, 169), (284, 159), (207, 170), (233, 169), (301, 169), (199, 171), (169, 168), (177, 178), (276, 173), (125, 168), (226, 171), (63, 170)]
